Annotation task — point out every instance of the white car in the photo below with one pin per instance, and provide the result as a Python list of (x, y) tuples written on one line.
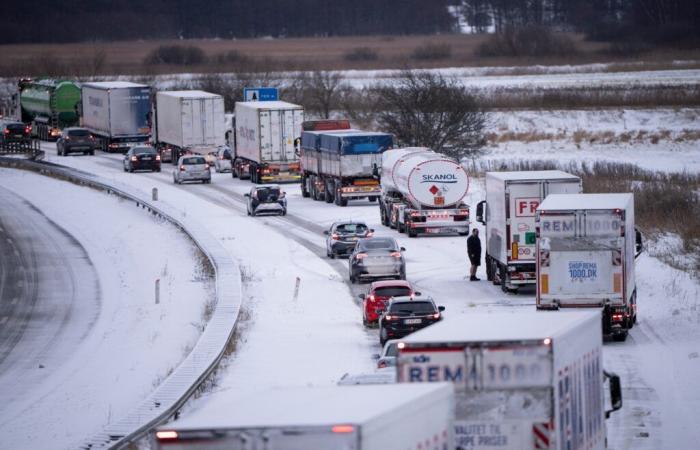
[(389, 353), (192, 168), (222, 163)]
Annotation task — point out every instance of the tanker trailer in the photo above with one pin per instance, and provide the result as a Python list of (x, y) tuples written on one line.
[(49, 106), (423, 192)]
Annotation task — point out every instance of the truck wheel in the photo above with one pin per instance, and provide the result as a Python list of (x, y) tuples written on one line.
[(304, 191), (503, 277), (494, 272), (343, 202), (327, 196), (411, 232), (489, 272)]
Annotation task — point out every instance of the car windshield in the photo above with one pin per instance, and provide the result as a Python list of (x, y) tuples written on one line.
[(265, 194), (227, 154), (412, 308), (15, 126), (377, 244), (78, 133), (144, 150), (392, 350), (356, 228), (392, 291), (193, 161)]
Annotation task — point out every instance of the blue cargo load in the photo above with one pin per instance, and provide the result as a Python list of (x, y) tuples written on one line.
[(356, 143)]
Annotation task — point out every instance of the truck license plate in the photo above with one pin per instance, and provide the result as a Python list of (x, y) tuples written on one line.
[(412, 321)]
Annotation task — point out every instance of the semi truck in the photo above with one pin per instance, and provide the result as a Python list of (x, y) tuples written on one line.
[(117, 113), (342, 165), (265, 134), (523, 381), (368, 417), (188, 121), (508, 216), (423, 192), (49, 106), (586, 250)]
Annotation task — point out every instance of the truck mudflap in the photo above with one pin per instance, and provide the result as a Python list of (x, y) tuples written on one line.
[(502, 435)]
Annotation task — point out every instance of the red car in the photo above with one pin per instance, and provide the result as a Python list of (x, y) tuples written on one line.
[(378, 296)]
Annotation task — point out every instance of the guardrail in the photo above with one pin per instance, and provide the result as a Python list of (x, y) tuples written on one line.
[(30, 148), (177, 388)]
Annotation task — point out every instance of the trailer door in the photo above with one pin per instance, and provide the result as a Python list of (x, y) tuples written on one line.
[(523, 200), (188, 123), (276, 132), (208, 121), (266, 133)]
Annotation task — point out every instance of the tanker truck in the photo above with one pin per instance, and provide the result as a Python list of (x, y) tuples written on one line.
[(49, 106), (423, 192)]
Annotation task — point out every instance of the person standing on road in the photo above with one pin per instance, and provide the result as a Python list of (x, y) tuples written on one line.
[(474, 252)]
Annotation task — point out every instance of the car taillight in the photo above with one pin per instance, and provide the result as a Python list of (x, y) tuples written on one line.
[(27, 129), (369, 234), (381, 364), (361, 256), (436, 315), (182, 168), (166, 435), (7, 131), (113, 145), (617, 317), (134, 158), (157, 157), (395, 254), (335, 236), (388, 317), (371, 298), (92, 138)]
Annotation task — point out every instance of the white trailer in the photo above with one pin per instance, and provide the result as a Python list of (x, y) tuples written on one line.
[(587, 246), (117, 113), (369, 417), (188, 121), (423, 192), (508, 216), (265, 135), (523, 381)]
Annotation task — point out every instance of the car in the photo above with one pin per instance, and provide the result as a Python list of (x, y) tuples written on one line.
[(14, 132), (380, 292), (166, 153), (142, 158), (240, 169), (192, 168), (210, 157), (74, 139), (379, 376), (266, 198), (404, 315), (389, 353), (341, 237), (377, 257), (223, 159)]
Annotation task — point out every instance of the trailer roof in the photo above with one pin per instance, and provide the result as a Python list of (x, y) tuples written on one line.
[(114, 84), (568, 202), (270, 105), (532, 175), (501, 326), (307, 406), (189, 94), (343, 133)]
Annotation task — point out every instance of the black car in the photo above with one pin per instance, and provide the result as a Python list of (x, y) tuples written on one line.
[(75, 140), (377, 257), (266, 198), (342, 237), (142, 158), (404, 315), (12, 131)]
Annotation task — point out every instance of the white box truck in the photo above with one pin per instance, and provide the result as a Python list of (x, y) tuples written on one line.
[(369, 417), (587, 246), (117, 113), (508, 216), (265, 136), (523, 381), (188, 121), (423, 192)]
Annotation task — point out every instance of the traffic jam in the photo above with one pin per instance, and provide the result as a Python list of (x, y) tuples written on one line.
[(529, 380)]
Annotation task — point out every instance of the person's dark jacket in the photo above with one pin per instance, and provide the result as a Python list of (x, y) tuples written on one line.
[(474, 249)]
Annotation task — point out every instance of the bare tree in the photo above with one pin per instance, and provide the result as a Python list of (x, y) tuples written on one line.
[(320, 91), (426, 109)]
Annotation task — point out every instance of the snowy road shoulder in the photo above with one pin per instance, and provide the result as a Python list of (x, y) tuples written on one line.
[(134, 342)]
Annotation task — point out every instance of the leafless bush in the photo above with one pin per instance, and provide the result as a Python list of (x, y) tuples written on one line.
[(527, 41), (426, 109), (319, 91), (430, 51), (359, 54), (177, 55)]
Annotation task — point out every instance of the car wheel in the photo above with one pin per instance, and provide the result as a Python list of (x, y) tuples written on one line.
[(502, 275), (131, 169), (124, 167), (620, 337), (494, 272), (364, 321), (92, 152), (158, 169), (411, 232), (331, 254), (402, 275)]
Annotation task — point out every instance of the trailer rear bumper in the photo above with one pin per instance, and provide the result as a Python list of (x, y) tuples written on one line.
[(291, 178)]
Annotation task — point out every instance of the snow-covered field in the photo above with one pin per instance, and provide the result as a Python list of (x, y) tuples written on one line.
[(316, 336), (95, 372)]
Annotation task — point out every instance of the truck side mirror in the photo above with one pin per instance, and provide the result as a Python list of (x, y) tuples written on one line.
[(615, 393), (480, 212), (325, 232), (638, 244)]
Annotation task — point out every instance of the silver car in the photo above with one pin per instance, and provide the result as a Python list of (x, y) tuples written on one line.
[(223, 159), (389, 354), (192, 168)]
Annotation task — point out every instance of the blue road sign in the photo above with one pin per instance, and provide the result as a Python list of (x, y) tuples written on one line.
[(260, 94)]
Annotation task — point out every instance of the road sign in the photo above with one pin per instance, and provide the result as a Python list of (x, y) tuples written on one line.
[(260, 94)]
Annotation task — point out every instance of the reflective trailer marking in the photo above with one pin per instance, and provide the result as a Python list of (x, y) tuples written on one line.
[(617, 283), (544, 283), (540, 432)]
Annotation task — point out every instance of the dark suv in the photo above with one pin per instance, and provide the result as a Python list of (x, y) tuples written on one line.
[(77, 140), (404, 315), (342, 237), (12, 131)]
